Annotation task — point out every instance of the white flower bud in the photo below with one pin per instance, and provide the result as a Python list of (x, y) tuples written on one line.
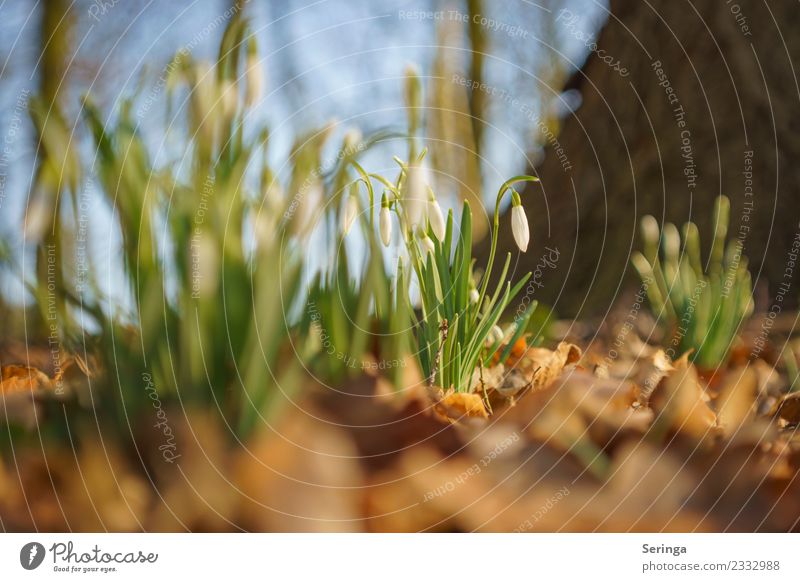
[(474, 296), (497, 333), (228, 98), (386, 226), (427, 244), (352, 140), (350, 213), (415, 196), (436, 219), (308, 203), (254, 76), (519, 227)]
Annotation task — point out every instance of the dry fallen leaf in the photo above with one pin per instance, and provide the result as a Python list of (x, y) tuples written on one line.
[(20, 390), (737, 397), (650, 372), (680, 402), (457, 405), (15, 378), (546, 365)]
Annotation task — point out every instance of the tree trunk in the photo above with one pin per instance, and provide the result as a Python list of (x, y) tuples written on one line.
[(708, 89)]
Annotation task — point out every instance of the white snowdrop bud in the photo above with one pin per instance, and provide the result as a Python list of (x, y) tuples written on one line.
[(519, 227), (435, 218), (427, 244), (497, 333), (228, 98), (385, 223), (306, 207), (474, 296), (415, 195), (350, 213), (254, 75), (352, 140)]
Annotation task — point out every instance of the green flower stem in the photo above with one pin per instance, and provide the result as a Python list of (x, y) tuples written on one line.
[(507, 185)]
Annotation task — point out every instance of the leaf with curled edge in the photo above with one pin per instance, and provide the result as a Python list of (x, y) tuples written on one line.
[(546, 365), (454, 406), (736, 402), (21, 389), (680, 403), (15, 379)]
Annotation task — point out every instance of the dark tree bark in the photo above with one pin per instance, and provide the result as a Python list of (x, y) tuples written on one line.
[(632, 149)]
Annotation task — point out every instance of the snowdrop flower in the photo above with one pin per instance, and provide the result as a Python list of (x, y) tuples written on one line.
[(305, 205), (254, 76), (352, 141), (228, 98), (415, 195), (350, 213), (385, 222), (519, 223), (474, 296), (497, 333), (204, 96), (426, 244), (435, 216)]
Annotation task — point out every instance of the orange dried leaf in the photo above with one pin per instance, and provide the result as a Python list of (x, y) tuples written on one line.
[(15, 379), (457, 405), (682, 401), (548, 364), (737, 398)]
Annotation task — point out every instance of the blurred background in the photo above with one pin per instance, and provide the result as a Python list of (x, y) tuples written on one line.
[(181, 351), (619, 156), (324, 61)]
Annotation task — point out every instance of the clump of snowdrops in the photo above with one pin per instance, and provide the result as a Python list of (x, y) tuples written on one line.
[(700, 307)]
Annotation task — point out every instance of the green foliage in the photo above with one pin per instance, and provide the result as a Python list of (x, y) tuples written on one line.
[(357, 321), (453, 331), (215, 256), (209, 320), (701, 309)]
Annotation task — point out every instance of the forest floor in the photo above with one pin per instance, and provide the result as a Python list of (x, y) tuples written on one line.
[(599, 432)]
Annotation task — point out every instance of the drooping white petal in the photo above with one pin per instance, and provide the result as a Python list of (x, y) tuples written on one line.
[(306, 206), (255, 81), (497, 333), (415, 196), (350, 214), (352, 140), (436, 219), (228, 98), (519, 227), (474, 296), (427, 245), (386, 226)]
